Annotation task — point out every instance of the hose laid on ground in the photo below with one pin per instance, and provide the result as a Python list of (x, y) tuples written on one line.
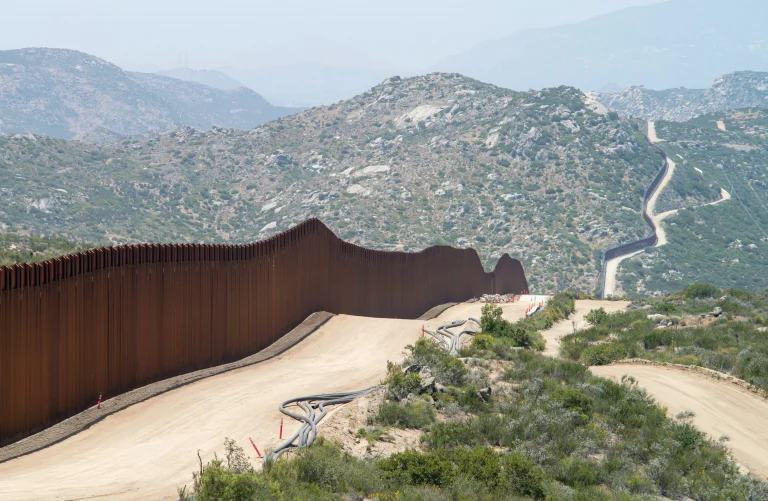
[(448, 339), (310, 404), (314, 405)]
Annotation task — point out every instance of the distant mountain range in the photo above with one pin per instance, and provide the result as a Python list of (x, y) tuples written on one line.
[(71, 95), (211, 78), (309, 84), (676, 43), (744, 89)]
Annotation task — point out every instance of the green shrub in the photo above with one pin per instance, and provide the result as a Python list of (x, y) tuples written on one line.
[(406, 415), (520, 334), (656, 338), (596, 317), (219, 483), (577, 472), (638, 484), (490, 318), (446, 369), (574, 400), (452, 434), (752, 366), (413, 467), (522, 476), (481, 464), (701, 290), (400, 385), (482, 342), (603, 354)]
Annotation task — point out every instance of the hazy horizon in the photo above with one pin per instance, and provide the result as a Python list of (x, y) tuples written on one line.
[(403, 37)]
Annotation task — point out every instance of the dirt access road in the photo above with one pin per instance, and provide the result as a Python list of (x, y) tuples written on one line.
[(612, 266), (651, 207), (576, 322), (145, 451), (721, 408)]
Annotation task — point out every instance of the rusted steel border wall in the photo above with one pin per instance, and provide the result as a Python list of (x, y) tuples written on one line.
[(114, 319)]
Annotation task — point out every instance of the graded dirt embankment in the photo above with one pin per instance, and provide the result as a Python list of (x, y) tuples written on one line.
[(144, 451), (721, 408)]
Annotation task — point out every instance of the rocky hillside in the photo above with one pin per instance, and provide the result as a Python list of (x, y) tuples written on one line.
[(730, 92), (438, 159), (71, 95)]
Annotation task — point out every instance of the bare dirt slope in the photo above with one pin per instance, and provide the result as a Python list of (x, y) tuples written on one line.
[(721, 408), (576, 322), (146, 450)]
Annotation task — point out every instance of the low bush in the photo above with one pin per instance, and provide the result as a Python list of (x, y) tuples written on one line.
[(596, 317), (700, 290), (522, 476), (446, 369), (406, 414), (482, 342), (416, 468), (603, 354), (400, 385)]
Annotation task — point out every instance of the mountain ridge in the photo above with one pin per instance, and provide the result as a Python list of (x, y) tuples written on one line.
[(437, 159), (741, 89), (73, 95)]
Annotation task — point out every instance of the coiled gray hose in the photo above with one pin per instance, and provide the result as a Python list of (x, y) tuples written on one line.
[(310, 404), (448, 339)]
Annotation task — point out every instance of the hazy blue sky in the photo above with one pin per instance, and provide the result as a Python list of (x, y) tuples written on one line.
[(404, 35)]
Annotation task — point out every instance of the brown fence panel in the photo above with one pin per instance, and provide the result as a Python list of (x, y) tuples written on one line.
[(114, 319)]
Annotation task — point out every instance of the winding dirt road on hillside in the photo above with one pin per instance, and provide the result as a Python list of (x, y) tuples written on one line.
[(612, 266), (145, 451), (721, 408)]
